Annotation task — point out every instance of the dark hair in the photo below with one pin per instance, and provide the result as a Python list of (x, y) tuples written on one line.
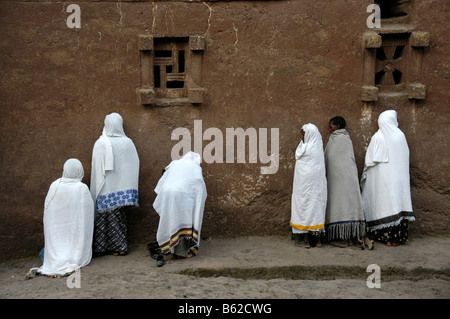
[(339, 121)]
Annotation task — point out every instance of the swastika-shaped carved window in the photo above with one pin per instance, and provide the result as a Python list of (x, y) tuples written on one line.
[(169, 67), (171, 70)]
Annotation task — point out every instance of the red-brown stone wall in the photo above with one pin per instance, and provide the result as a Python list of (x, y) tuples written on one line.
[(267, 64)]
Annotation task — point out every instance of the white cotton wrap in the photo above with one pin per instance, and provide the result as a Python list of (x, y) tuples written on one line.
[(309, 193), (180, 201), (68, 222), (385, 182), (115, 168)]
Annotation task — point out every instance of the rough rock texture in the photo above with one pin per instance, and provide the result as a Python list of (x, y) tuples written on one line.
[(267, 64)]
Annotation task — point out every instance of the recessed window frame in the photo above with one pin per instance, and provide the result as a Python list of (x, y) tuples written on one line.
[(171, 70)]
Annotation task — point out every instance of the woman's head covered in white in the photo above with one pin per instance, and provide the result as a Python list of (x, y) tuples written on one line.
[(311, 134), (191, 156), (73, 169), (388, 121), (113, 125), (72, 172), (312, 140)]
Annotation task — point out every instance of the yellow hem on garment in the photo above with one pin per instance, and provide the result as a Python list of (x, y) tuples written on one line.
[(307, 227)]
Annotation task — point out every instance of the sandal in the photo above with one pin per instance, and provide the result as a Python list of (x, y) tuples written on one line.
[(155, 253), (369, 243), (154, 250)]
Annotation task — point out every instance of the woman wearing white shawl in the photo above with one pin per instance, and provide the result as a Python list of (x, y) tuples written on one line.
[(309, 193), (344, 218), (114, 185), (386, 194), (68, 222), (180, 202)]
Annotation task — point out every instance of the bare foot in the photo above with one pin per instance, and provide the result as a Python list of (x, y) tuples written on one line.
[(392, 244)]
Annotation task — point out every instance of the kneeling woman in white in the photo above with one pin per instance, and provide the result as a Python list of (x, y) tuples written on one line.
[(68, 222)]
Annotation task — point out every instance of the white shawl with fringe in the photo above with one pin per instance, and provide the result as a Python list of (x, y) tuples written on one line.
[(344, 218), (309, 193), (180, 202), (115, 168), (68, 222), (385, 181)]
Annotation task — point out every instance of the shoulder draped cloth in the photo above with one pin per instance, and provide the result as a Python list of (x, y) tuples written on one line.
[(385, 182), (344, 218), (115, 168), (180, 202)]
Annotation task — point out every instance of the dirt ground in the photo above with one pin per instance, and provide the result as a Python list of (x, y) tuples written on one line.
[(248, 268)]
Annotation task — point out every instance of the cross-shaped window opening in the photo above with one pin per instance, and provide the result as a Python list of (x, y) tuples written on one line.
[(391, 62)]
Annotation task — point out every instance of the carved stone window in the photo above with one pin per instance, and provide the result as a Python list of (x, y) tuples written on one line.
[(169, 66), (391, 67), (171, 70), (393, 55)]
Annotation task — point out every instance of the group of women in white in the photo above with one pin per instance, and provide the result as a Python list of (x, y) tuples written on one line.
[(329, 198), (326, 196), (81, 221)]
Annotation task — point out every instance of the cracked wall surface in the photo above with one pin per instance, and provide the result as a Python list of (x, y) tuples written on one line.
[(267, 64)]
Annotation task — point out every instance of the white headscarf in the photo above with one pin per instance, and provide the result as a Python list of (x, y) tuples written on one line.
[(309, 192), (72, 172), (68, 222), (115, 167), (73, 169), (378, 151), (113, 128)]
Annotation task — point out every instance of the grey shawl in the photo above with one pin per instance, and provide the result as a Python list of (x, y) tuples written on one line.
[(344, 215)]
